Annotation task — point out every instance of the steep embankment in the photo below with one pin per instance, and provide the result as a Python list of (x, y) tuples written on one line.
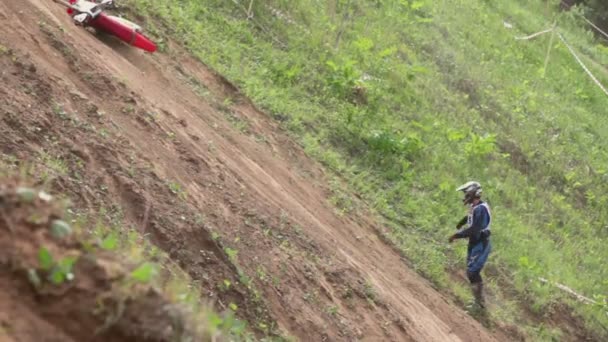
[(175, 152), (57, 286)]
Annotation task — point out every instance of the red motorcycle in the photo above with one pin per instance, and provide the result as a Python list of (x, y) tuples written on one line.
[(91, 13)]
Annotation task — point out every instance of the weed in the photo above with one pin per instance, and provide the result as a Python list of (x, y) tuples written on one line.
[(145, 272), (260, 138), (60, 112), (4, 50), (177, 189), (298, 230), (332, 310), (309, 297), (110, 242), (57, 165), (228, 102), (369, 292), (240, 124), (57, 271), (244, 279), (131, 171), (226, 284), (103, 133), (231, 253), (200, 219), (129, 109), (261, 273)]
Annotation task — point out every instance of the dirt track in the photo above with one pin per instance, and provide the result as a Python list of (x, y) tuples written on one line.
[(182, 155)]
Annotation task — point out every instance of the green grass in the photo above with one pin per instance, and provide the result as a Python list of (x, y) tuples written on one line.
[(409, 99)]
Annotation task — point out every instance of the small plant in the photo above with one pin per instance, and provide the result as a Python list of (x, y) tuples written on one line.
[(129, 109), (480, 146), (55, 163), (245, 279), (226, 324), (110, 242), (228, 101), (342, 77), (57, 271), (332, 310), (145, 272), (131, 172), (226, 285), (200, 219), (370, 292), (103, 133), (261, 272), (231, 253), (3, 50), (60, 112), (309, 297), (177, 189)]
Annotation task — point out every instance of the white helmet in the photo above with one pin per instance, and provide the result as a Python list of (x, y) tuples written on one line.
[(472, 190)]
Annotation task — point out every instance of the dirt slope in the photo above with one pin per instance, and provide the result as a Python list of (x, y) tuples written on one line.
[(183, 157), (32, 308)]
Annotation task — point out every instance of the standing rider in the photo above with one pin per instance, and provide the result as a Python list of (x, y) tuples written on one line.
[(477, 229)]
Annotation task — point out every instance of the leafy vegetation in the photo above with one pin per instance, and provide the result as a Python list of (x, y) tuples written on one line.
[(408, 99), (57, 271)]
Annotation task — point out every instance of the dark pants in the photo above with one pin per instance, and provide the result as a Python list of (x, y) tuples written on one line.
[(477, 256)]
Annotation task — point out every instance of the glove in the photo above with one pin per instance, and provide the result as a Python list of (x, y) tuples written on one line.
[(452, 238)]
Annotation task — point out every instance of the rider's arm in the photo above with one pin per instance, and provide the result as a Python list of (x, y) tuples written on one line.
[(461, 222), (480, 215)]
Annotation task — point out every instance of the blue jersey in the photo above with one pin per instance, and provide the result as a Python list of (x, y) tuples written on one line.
[(478, 224)]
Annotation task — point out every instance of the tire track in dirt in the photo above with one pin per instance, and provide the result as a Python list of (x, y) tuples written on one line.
[(254, 187)]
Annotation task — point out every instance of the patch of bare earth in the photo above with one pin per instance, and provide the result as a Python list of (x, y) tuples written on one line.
[(91, 306)]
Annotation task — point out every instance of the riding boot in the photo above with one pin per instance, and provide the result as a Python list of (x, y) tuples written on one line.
[(478, 294)]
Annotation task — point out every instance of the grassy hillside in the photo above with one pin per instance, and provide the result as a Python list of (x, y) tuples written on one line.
[(408, 99)]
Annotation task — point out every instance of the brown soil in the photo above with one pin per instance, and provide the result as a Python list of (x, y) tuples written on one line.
[(88, 308), (175, 150)]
